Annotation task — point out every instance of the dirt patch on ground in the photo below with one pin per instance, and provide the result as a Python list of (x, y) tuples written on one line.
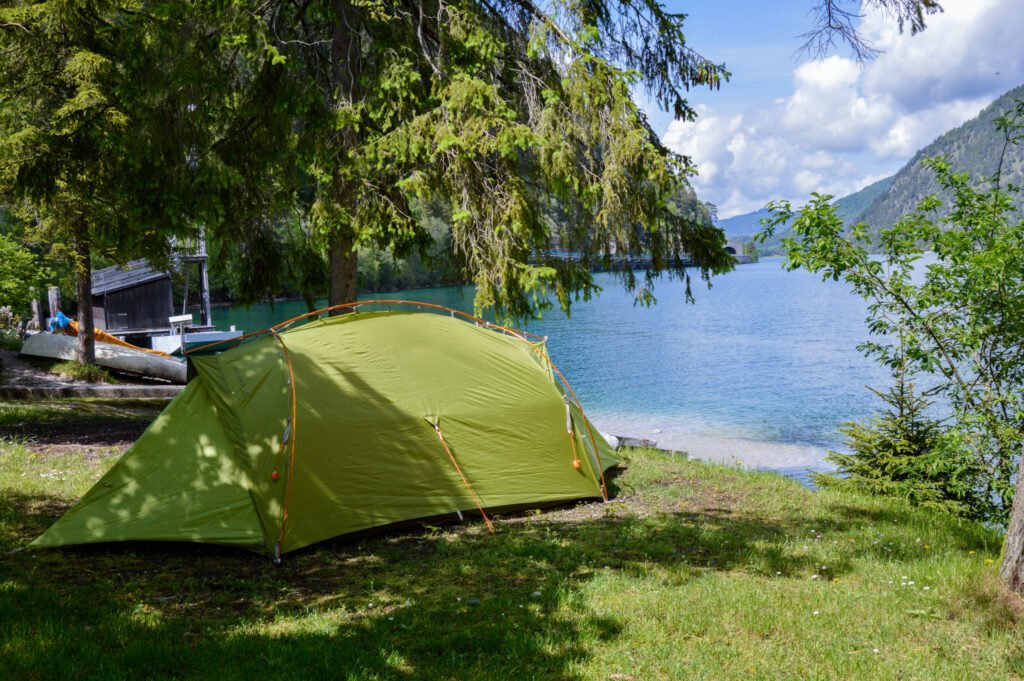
[(17, 371), (93, 453), (64, 425), (67, 436)]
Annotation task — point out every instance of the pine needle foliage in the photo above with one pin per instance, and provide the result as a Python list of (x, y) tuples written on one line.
[(899, 453)]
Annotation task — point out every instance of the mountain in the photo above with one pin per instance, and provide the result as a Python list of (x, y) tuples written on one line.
[(852, 208), (974, 147), (747, 224)]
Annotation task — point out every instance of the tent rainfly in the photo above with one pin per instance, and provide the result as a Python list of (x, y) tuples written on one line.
[(343, 424)]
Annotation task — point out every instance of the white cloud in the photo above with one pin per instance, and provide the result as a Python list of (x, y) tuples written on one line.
[(826, 109), (907, 133), (843, 126), (969, 51)]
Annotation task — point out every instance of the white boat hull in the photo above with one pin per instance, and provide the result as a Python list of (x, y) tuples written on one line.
[(172, 344), (57, 346)]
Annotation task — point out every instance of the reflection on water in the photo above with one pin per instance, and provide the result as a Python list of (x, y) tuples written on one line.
[(760, 371)]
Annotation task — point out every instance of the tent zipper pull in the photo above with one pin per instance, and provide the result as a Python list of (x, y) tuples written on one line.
[(287, 435)]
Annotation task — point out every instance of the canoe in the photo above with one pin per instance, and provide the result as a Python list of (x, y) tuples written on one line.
[(119, 358)]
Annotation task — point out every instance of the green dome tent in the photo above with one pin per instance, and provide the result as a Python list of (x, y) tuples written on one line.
[(344, 424)]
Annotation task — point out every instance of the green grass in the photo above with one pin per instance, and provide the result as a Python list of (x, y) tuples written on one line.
[(693, 572), (41, 415), (9, 340), (78, 371)]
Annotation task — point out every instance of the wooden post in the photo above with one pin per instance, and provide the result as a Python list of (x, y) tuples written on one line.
[(37, 315), (53, 295), (204, 294)]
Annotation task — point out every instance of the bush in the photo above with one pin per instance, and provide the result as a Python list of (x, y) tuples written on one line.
[(10, 333), (903, 453), (21, 276), (948, 285)]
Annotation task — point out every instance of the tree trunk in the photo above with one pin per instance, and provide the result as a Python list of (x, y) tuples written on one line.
[(346, 69), (344, 271), (1013, 560), (83, 280)]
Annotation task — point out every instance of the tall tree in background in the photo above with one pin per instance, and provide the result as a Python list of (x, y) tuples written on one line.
[(502, 114), (56, 119), (72, 154), (122, 125), (505, 113)]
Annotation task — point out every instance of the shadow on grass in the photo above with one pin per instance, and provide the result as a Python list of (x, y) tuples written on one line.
[(78, 422), (420, 604), (969, 536), (415, 606)]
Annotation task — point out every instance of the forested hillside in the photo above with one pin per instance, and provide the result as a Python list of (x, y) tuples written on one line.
[(974, 147), (852, 208)]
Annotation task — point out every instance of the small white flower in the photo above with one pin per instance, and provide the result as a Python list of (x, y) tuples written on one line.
[(815, 612), (814, 576), (927, 588), (910, 583), (876, 651)]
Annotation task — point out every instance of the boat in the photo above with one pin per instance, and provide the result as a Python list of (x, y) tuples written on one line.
[(117, 357), (172, 344)]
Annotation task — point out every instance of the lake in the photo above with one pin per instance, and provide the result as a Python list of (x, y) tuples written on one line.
[(759, 372)]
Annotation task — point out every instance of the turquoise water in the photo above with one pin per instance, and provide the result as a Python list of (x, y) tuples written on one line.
[(760, 371)]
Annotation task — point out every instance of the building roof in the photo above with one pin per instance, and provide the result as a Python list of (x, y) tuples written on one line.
[(134, 273)]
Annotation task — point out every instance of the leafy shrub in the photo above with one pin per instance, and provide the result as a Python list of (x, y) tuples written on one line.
[(902, 452)]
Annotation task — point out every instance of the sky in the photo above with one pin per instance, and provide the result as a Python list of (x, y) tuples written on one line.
[(784, 126)]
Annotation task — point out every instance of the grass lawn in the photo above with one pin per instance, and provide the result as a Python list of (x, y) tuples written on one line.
[(692, 572)]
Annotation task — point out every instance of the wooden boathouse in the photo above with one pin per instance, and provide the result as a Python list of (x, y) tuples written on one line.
[(136, 299)]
